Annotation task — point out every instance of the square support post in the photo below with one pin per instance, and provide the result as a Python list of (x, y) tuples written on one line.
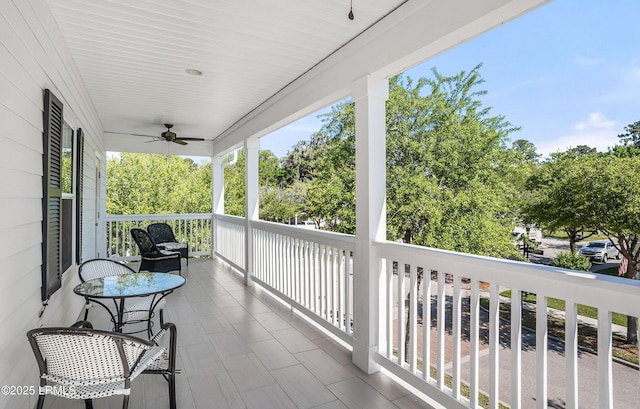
[(217, 191), (252, 203), (369, 95)]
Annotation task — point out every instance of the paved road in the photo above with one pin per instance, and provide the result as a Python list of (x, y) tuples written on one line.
[(551, 247), (626, 380)]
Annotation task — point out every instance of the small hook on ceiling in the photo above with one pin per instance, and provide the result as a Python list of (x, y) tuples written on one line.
[(350, 15)]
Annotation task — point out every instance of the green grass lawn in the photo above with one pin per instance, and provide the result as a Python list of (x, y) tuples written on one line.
[(611, 271), (583, 310)]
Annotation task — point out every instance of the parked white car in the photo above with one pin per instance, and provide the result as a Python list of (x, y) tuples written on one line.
[(600, 250), (532, 233)]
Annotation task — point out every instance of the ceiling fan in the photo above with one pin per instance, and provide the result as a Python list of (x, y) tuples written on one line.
[(171, 136), (167, 135)]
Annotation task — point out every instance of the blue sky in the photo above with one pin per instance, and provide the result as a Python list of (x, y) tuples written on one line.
[(568, 73)]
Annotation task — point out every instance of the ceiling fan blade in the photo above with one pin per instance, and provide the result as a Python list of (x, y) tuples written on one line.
[(167, 136), (191, 139), (148, 136), (133, 134)]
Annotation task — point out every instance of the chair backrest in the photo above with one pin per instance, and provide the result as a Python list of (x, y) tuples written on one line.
[(98, 268), (86, 356), (161, 233), (145, 243)]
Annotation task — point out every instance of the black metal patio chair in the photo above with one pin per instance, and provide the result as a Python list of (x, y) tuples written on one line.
[(154, 259), (162, 235), (80, 362)]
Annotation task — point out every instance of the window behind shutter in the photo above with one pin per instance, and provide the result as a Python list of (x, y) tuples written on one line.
[(52, 194), (79, 183)]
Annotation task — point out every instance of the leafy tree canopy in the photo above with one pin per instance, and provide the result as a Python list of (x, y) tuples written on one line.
[(148, 184), (446, 161), (560, 194), (629, 141)]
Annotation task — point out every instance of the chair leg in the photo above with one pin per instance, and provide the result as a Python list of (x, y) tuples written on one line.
[(125, 402), (161, 317), (172, 390), (40, 402), (88, 404), (173, 339), (86, 311)]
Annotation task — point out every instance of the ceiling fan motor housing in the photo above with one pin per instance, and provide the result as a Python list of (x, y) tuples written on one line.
[(168, 135)]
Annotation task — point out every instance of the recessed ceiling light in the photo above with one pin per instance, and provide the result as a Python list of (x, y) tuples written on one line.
[(191, 71)]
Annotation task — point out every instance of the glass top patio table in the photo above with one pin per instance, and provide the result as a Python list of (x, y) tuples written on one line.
[(124, 286), (130, 285)]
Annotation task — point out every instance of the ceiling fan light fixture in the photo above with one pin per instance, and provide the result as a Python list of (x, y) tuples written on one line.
[(193, 72)]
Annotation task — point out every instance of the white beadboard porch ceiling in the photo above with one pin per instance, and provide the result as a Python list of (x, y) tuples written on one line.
[(132, 55), (264, 62)]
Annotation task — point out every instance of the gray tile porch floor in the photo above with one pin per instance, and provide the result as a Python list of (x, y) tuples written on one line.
[(238, 348)]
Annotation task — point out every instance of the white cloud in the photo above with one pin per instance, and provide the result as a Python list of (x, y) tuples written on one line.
[(596, 132), (596, 121)]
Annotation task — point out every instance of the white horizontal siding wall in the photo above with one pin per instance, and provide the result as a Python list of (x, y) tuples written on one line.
[(33, 57)]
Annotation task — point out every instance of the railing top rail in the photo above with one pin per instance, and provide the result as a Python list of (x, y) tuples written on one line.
[(614, 293), (229, 218), (159, 216), (345, 241)]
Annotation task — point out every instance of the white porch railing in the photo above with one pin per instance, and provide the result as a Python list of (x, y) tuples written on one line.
[(230, 244), (410, 356), (194, 229), (311, 270)]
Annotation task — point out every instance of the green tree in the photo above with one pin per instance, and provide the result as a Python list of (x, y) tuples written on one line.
[(525, 150), (615, 199), (330, 197), (631, 135), (234, 186), (575, 190), (446, 157), (277, 203), (629, 141), (520, 163), (156, 184), (560, 195)]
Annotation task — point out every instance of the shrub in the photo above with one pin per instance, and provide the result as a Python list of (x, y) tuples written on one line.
[(572, 261)]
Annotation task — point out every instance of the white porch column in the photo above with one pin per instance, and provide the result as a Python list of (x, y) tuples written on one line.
[(217, 190), (252, 148), (369, 95)]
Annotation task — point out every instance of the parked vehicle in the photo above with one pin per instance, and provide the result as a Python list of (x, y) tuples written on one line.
[(532, 233), (600, 250)]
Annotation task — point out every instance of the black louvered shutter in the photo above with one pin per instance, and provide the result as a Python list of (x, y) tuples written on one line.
[(52, 194), (79, 184)]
